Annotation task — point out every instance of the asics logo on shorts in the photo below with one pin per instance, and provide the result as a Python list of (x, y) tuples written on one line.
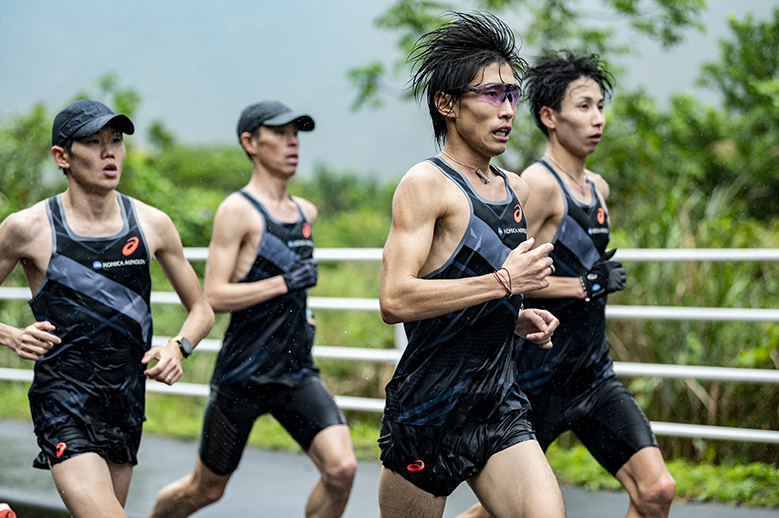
[(61, 449), (417, 465)]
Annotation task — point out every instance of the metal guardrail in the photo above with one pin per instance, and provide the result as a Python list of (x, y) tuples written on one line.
[(392, 356)]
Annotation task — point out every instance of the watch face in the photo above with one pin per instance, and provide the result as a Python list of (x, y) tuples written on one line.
[(185, 347)]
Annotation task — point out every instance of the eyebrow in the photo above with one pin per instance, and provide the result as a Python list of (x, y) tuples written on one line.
[(590, 99)]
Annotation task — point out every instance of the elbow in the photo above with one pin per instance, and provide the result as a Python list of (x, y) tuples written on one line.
[(215, 303), (391, 310)]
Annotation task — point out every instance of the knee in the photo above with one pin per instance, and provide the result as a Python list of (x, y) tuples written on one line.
[(657, 496), (339, 476), (203, 491)]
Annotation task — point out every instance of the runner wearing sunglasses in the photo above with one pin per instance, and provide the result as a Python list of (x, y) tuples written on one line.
[(260, 268), (455, 265), (573, 386)]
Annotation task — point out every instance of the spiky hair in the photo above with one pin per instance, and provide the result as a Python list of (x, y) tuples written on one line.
[(450, 57), (547, 81)]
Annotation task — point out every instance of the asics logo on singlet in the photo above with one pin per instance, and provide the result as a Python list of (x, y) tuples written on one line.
[(511, 230), (105, 265), (517, 213), (131, 246), (597, 230)]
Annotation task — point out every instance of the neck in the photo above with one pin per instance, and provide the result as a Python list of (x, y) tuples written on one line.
[(90, 206), (268, 187), (468, 163), (573, 165)]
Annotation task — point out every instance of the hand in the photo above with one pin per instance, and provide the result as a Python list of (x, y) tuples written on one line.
[(528, 268), (301, 275), (35, 341), (537, 326), (168, 368), (606, 276)]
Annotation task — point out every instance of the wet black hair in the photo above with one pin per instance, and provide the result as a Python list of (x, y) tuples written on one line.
[(547, 81), (448, 58)]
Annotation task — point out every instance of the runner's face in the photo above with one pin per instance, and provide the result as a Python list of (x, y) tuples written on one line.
[(97, 160), (483, 125), (277, 148), (579, 123)]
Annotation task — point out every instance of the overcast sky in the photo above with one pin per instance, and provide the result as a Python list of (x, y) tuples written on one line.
[(198, 63)]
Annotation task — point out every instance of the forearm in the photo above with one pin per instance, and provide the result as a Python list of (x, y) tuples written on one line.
[(199, 321), (417, 299), (8, 336), (234, 296), (559, 287)]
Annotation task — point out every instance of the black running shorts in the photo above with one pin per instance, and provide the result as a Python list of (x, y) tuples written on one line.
[(64, 440), (605, 418), (303, 411), (437, 459)]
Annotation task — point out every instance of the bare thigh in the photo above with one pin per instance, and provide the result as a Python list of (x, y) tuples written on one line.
[(399, 498), (91, 486), (518, 482)]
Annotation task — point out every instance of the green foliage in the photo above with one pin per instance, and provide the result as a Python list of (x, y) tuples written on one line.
[(549, 24), (754, 484)]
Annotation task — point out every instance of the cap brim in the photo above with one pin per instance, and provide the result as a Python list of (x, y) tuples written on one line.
[(302, 121), (121, 122)]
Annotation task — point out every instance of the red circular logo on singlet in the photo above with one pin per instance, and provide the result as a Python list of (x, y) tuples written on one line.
[(306, 230), (517, 213), (131, 245), (417, 465), (601, 216)]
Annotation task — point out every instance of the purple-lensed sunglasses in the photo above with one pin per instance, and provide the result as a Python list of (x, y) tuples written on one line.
[(496, 93)]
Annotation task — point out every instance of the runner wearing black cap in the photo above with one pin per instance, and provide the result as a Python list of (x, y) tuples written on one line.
[(86, 254), (259, 268)]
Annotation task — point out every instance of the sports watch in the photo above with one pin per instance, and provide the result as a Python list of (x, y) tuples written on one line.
[(184, 346)]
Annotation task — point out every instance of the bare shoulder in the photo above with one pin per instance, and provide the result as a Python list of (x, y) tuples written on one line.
[(25, 228), (152, 219), (518, 185), (601, 185), (539, 181), (161, 234), (309, 209), (425, 186)]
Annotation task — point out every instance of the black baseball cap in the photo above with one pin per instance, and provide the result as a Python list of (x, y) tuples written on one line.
[(271, 113), (84, 118)]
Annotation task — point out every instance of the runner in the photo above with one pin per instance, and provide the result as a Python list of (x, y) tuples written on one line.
[(259, 268), (573, 386), (455, 265), (86, 254)]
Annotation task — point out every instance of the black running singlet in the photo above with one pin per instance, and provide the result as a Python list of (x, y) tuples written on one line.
[(96, 293), (271, 341), (458, 368), (580, 355)]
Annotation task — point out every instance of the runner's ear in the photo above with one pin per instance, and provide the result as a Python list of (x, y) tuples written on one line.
[(445, 104)]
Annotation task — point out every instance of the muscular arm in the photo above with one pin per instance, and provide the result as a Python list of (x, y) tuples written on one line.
[(166, 245), (233, 224), (425, 209), (24, 236), (544, 211)]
